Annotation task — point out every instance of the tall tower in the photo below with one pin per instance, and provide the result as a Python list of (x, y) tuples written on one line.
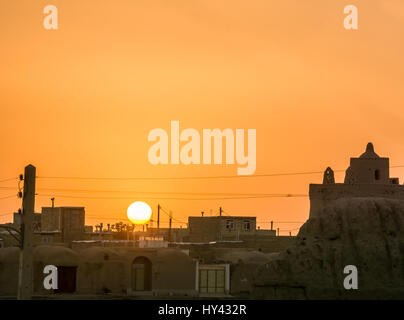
[(369, 168)]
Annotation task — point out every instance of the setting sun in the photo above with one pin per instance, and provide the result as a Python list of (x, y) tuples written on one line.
[(139, 212)]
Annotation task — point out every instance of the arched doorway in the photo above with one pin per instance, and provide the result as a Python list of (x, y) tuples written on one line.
[(141, 274)]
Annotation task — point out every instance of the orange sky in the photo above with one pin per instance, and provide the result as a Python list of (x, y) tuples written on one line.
[(81, 100)]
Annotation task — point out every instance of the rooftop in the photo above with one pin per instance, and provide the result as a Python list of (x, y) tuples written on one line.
[(369, 153)]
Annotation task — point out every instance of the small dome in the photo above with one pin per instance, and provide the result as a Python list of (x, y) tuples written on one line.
[(369, 153)]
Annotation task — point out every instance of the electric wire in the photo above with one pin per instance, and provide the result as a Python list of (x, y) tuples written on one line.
[(196, 177), (174, 198), (9, 179), (157, 192), (8, 197)]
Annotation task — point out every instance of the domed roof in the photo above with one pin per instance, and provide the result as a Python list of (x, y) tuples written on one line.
[(369, 153), (56, 255), (97, 254), (173, 255)]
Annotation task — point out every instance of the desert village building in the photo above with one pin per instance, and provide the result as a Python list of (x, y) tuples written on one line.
[(368, 175), (214, 257), (184, 262)]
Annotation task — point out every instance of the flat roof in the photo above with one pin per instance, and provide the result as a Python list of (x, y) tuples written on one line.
[(63, 207), (222, 217)]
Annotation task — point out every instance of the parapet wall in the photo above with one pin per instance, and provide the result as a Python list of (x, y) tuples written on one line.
[(322, 195)]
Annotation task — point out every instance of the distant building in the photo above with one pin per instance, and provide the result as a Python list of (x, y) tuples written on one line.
[(367, 176), (36, 220), (119, 271), (8, 237), (224, 228), (67, 223), (166, 234)]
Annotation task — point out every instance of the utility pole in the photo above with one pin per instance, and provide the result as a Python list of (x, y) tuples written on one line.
[(158, 217), (169, 228), (220, 224), (133, 234), (25, 272), (100, 234), (272, 225)]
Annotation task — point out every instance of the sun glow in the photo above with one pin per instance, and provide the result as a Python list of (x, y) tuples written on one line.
[(139, 212)]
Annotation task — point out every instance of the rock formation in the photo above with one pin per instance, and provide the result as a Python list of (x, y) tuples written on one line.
[(365, 232)]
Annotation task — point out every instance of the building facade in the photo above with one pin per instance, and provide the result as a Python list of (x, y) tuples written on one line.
[(224, 228), (66, 221), (367, 176)]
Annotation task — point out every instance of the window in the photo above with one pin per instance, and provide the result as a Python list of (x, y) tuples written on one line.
[(377, 175), (229, 225), (212, 280), (394, 180), (247, 225), (46, 239)]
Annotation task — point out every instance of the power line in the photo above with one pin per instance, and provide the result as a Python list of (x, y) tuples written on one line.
[(7, 197), (173, 198), (196, 177), (180, 178), (105, 218), (249, 214), (99, 218), (226, 213), (163, 210), (9, 179), (186, 178), (126, 219), (5, 214), (168, 214), (290, 222), (154, 192), (171, 216), (288, 230)]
